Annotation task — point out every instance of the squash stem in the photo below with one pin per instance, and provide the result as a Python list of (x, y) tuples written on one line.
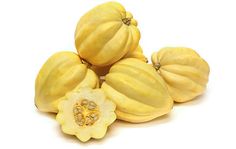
[(126, 21), (86, 63), (157, 66)]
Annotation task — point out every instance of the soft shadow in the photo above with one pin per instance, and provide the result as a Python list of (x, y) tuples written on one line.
[(51, 115), (111, 131), (114, 130), (118, 125), (69, 138), (195, 101), (157, 121)]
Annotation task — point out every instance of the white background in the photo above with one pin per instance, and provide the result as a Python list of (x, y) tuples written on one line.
[(30, 31)]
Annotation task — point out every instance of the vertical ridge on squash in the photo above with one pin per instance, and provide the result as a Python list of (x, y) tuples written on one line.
[(90, 80), (113, 50), (137, 53), (119, 98)]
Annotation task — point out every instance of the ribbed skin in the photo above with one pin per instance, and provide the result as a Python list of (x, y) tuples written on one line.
[(102, 37), (138, 91), (184, 71), (61, 73), (137, 53)]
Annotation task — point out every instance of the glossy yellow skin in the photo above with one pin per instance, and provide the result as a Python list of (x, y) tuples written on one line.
[(102, 71), (106, 115), (61, 73), (105, 34), (137, 53), (184, 71), (139, 93)]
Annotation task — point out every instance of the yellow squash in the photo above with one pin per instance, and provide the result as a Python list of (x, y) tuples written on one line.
[(105, 34), (62, 72), (184, 71), (139, 93), (86, 113)]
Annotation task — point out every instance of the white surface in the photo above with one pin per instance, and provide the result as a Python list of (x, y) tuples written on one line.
[(30, 31)]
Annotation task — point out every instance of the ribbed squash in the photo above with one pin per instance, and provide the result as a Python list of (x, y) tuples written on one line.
[(139, 93), (105, 34), (184, 71), (61, 73), (86, 113)]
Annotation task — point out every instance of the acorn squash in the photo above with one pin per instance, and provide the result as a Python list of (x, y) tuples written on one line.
[(139, 93), (61, 73), (105, 34), (184, 71)]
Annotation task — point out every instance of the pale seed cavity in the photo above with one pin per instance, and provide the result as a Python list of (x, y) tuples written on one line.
[(86, 112)]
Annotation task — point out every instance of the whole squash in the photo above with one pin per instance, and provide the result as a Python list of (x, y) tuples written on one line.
[(105, 34), (61, 73), (139, 93), (184, 71)]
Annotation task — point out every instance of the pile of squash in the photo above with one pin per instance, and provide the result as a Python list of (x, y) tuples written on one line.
[(109, 77)]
